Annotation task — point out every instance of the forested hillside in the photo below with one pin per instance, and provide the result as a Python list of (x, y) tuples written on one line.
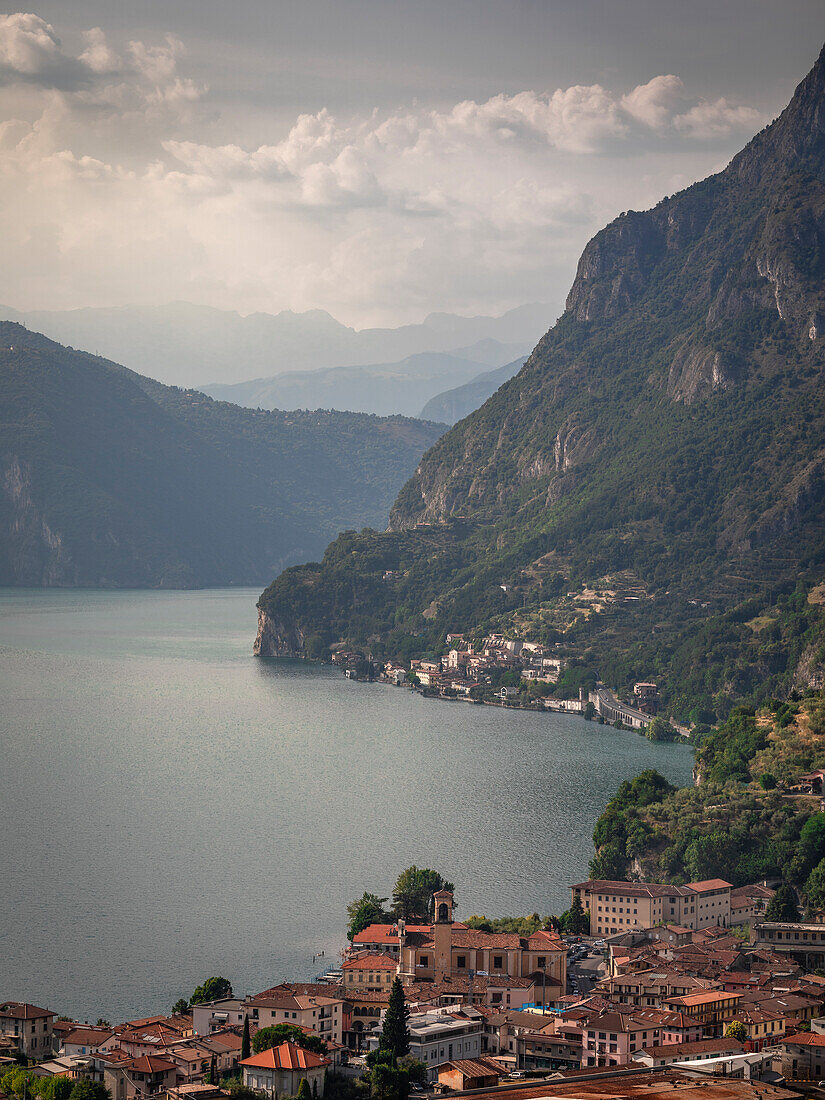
[(648, 490), (108, 478)]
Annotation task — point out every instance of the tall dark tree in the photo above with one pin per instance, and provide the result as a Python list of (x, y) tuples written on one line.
[(304, 1091), (213, 1070), (395, 1033), (246, 1048), (782, 905), (180, 1006)]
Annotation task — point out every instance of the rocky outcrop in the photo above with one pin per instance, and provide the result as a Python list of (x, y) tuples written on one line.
[(697, 373), (276, 639)]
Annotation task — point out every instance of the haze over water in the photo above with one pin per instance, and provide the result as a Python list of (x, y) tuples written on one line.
[(173, 808)]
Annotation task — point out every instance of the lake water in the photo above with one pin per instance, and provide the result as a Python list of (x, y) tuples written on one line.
[(172, 807)]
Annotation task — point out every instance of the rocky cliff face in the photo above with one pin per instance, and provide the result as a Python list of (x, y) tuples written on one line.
[(667, 428), (276, 638)]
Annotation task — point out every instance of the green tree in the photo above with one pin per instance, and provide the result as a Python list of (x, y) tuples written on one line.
[(273, 1036), (213, 989), (246, 1047), (810, 849), (576, 919), (413, 892), (782, 906), (736, 1030), (815, 887), (100, 1022), (364, 911), (213, 1070), (589, 710), (180, 1006), (395, 1033), (304, 1091), (87, 1089)]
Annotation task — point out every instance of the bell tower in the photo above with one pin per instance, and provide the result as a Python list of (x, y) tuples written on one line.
[(442, 934)]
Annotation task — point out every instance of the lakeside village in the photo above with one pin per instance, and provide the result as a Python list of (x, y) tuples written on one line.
[(653, 990), (511, 672)]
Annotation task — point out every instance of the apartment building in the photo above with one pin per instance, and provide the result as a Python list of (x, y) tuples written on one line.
[(617, 906)]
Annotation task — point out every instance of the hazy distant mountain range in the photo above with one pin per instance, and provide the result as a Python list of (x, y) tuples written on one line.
[(108, 478), (453, 405), (383, 388), (190, 345)]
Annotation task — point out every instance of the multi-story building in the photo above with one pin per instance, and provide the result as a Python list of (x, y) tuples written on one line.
[(217, 1015), (280, 1005), (803, 941), (29, 1027), (712, 1009), (370, 970), (617, 906), (613, 1037), (442, 1036)]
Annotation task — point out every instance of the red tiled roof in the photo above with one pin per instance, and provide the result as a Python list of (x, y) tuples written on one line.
[(19, 1010), (370, 960), (286, 1056), (150, 1063), (709, 884), (804, 1039), (89, 1036)]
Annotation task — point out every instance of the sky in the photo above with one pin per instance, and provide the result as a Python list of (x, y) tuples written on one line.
[(379, 159)]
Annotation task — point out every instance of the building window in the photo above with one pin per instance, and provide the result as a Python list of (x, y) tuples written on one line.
[(498, 962), (461, 962), (424, 960)]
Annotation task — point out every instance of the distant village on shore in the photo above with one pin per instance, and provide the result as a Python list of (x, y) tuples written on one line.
[(509, 672), (650, 987)]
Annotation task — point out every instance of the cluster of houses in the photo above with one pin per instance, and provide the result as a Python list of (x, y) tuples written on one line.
[(670, 973), (468, 670)]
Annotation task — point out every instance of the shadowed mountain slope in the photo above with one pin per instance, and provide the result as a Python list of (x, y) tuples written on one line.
[(109, 478)]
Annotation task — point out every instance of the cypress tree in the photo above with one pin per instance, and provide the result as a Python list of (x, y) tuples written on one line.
[(246, 1047), (395, 1034)]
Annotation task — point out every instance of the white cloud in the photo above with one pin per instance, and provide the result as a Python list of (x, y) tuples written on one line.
[(110, 189)]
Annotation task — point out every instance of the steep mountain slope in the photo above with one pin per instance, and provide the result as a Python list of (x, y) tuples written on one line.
[(652, 479), (189, 345), (109, 478), (382, 388), (453, 405)]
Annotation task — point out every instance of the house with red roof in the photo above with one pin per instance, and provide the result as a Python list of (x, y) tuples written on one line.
[(278, 1071), (28, 1027)]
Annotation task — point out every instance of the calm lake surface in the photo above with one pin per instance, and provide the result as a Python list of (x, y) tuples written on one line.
[(172, 807)]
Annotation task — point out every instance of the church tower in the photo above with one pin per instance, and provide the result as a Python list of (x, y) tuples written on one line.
[(442, 934)]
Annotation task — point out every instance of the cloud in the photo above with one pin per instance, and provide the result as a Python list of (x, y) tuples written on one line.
[(30, 51), (111, 189)]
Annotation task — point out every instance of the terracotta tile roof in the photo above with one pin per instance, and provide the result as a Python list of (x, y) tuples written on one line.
[(700, 1046), (19, 1010), (370, 960), (286, 1056), (690, 999), (475, 1067), (709, 884), (88, 1036), (150, 1063), (639, 889), (388, 933), (804, 1039)]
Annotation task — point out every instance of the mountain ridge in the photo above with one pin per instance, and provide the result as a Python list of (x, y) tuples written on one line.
[(665, 435), (108, 478)]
